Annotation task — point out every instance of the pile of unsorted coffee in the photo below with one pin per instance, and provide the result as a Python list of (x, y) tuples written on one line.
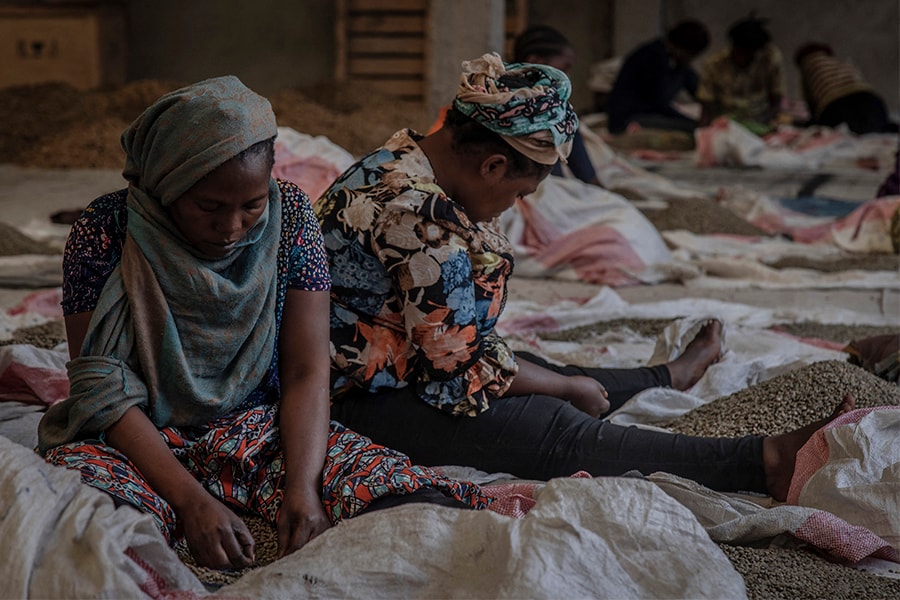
[(14, 243), (836, 332), (787, 401), (355, 116), (847, 262), (643, 327), (774, 573), (266, 551), (54, 125), (46, 335), (651, 328), (702, 216)]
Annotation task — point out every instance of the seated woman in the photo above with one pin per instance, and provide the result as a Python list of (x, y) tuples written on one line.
[(836, 92), (419, 268), (652, 76), (744, 82), (196, 306)]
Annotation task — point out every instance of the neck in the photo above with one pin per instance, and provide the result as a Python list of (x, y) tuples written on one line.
[(439, 151)]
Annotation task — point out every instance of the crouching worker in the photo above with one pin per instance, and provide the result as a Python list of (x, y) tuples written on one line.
[(196, 306)]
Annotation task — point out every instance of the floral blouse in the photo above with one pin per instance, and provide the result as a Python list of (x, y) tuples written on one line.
[(416, 286)]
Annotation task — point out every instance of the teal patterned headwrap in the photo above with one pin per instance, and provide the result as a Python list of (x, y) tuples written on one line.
[(536, 119)]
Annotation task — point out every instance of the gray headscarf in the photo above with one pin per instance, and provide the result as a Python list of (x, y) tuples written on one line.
[(183, 337)]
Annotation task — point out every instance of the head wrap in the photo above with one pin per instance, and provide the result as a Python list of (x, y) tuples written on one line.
[(537, 119), (187, 133), (184, 336)]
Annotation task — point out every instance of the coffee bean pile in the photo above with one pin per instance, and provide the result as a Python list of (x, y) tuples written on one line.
[(796, 574), (787, 401), (266, 552), (46, 335), (54, 125), (14, 243)]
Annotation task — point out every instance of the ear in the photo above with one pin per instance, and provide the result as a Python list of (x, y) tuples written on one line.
[(494, 167)]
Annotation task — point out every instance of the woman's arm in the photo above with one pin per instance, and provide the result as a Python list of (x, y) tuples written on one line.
[(584, 393), (76, 330), (216, 536), (304, 416)]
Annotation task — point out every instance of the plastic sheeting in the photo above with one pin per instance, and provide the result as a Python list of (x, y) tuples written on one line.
[(738, 521), (585, 538), (312, 162), (851, 468), (62, 539), (753, 353), (572, 230)]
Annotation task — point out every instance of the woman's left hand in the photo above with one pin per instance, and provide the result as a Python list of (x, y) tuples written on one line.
[(302, 517)]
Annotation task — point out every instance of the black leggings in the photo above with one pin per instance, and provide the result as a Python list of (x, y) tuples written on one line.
[(863, 112), (540, 437), (620, 384)]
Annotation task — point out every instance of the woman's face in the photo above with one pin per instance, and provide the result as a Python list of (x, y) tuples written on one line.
[(488, 197), (219, 210)]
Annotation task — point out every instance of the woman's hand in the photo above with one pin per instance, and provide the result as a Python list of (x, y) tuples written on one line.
[(300, 519), (216, 537), (585, 394)]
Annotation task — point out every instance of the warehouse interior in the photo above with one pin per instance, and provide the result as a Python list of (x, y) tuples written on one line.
[(790, 239)]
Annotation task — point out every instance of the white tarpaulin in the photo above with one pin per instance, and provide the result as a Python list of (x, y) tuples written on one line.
[(611, 537), (63, 539), (572, 230), (753, 351), (852, 468), (585, 538)]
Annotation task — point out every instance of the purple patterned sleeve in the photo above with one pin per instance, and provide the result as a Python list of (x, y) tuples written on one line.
[(308, 264), (93, 250)]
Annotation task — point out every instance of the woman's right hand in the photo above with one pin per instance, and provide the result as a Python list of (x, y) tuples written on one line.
[(216, 537), (585, 394)]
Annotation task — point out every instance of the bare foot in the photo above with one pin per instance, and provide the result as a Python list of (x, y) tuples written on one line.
[(780, 451), (704, 350)]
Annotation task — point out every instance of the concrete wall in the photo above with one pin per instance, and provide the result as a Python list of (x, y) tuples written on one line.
[(273, 44), (269, 44), (456, 36), (867, 32)]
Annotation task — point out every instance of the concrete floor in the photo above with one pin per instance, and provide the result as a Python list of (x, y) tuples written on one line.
[(883, 302), (29, 196)]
